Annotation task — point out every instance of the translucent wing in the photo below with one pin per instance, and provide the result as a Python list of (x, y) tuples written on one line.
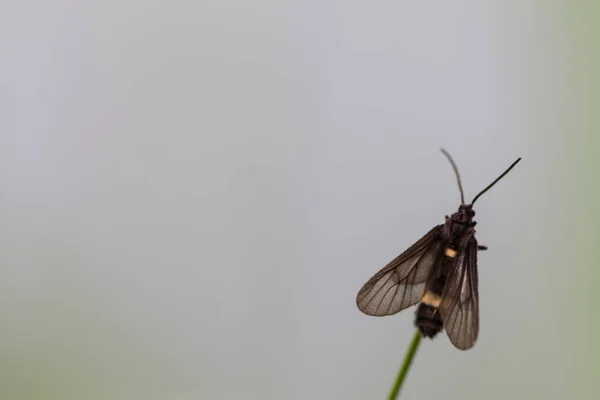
[(459, 307), (401, 283)]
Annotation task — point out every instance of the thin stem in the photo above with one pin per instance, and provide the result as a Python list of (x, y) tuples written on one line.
[(414, 345)]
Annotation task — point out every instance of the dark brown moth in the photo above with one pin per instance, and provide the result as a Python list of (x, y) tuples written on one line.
[(439, 272)]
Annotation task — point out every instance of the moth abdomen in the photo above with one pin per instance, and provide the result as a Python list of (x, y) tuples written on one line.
[(428, 320)]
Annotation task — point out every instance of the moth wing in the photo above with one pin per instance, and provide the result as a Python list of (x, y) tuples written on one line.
[(402, 282), (459, 306)]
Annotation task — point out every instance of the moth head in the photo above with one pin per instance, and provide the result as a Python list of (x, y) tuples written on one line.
[(465, 212)]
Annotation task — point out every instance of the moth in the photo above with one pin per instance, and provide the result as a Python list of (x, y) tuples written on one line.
[(439, 272)]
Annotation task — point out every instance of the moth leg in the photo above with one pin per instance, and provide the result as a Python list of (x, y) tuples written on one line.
[(481, 248)]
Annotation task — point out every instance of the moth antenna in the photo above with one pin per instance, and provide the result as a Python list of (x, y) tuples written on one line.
[(496, 180), (449, 157)]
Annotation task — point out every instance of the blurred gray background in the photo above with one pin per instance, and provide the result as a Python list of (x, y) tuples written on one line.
[(192, 193)]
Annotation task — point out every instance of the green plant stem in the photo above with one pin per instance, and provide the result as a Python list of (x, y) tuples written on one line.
[(414, 345)]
